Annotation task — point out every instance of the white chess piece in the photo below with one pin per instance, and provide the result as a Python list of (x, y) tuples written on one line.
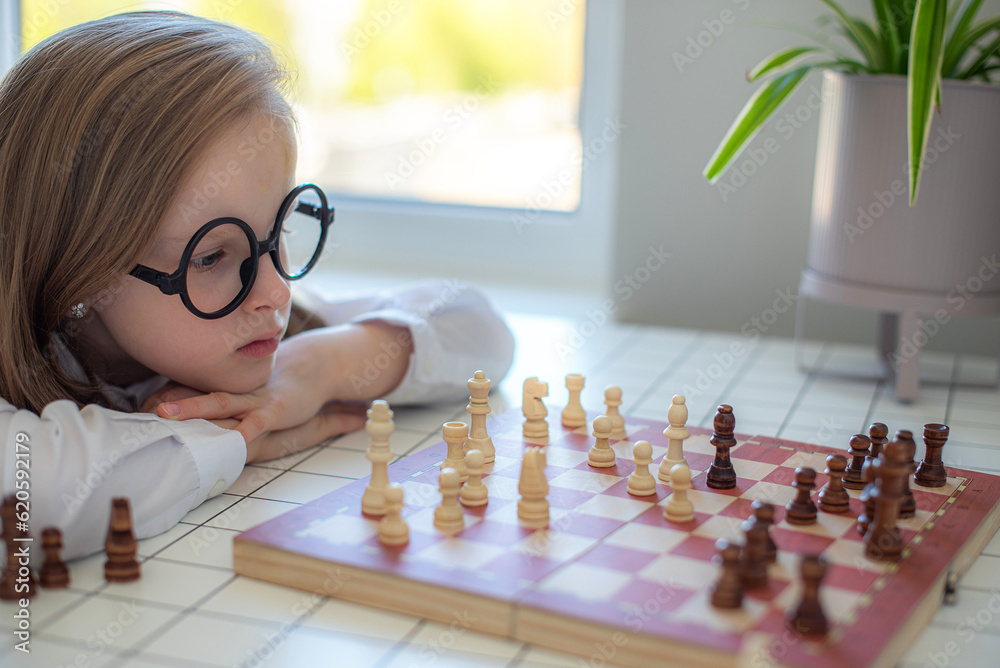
[(677, 415), (379, 426), (534, 410), (600, 454), (573, 415), (392, 529), (679, 508), (449, 516), (478, 409), (613, 399), (533, 507), (455, 435), (474, 492), (642, 482)]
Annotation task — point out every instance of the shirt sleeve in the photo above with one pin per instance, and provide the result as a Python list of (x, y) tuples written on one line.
[(77, 460), (455, 331)]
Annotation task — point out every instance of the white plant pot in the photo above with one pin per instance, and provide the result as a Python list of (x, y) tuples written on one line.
[(867, 247)]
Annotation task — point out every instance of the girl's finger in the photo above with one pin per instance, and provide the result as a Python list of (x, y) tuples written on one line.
[(209, 406)]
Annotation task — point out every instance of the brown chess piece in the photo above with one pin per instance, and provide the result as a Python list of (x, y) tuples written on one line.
[(801, 509), (727, 591), (833, 498), (764, 513), (16, 580), (908, 507), (753, 556), (860, 446), (877, 432), (883, 540), (721, 474), (931, 471), (120, 545), (807, 617), (54, 574)]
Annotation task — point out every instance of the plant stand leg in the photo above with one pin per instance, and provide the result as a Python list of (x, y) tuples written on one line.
[(888, 336), (906, 360)]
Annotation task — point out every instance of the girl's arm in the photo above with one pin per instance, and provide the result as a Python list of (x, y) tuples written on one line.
[(74, 461)]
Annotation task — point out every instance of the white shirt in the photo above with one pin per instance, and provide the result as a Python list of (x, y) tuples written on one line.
[(79, 459)]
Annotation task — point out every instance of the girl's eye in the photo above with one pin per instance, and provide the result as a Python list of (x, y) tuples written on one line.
[(207, 262)]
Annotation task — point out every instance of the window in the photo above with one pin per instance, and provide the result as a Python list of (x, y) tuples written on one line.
[(451, 101), (485, 130)]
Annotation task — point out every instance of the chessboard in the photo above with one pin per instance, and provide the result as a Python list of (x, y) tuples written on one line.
[(610, 578)]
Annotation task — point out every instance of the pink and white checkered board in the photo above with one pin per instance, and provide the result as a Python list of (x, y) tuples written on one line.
[(611, 576)]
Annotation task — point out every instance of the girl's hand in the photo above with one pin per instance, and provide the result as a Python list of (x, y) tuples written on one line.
[(331, 421), (170, 392), (311, 369)]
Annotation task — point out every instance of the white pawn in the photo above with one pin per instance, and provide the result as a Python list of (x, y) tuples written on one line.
[(613, 399), (392, 529), (533, 506), (455, 435), (642, 482), (677, 416), (474, 492), (601, 455), (449, 516), (573, 415), (679, 508)]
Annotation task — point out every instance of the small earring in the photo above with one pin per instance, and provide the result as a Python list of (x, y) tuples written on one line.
[(78, 310)]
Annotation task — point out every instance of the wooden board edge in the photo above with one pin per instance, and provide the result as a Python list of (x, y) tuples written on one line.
[(602, 644), (382, 590), (924, 611)]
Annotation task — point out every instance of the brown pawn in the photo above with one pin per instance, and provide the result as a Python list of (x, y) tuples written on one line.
[(908, 508), (801, 509), (808, 617), (833, 497), (753, 556), (763, 512), (860, 446), (883, 540), (54, 574), (727, 591), (867, 498), (931, 471), (14, 583), (878, 433), (120, 545), (721, 474)]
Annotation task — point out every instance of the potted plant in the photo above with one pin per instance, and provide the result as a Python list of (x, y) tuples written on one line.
[(919, 264)]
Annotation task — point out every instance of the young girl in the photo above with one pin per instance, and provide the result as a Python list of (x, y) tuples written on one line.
[(151, 227)]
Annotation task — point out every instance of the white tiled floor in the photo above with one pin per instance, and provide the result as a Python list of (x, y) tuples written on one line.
[(190, 610)]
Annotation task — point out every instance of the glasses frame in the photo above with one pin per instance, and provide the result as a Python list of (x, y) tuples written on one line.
[(175, 283)]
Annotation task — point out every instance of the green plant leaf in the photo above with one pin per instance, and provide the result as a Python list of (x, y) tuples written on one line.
[(926, 54), (752, 117), (953, 50), (970, 38), (979, 65), (891, 46), (777, 60), (859, 33)]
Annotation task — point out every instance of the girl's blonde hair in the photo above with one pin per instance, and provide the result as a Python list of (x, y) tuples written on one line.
[(99, 126)]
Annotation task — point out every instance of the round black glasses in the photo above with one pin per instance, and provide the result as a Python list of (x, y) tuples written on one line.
[(219, 264)]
